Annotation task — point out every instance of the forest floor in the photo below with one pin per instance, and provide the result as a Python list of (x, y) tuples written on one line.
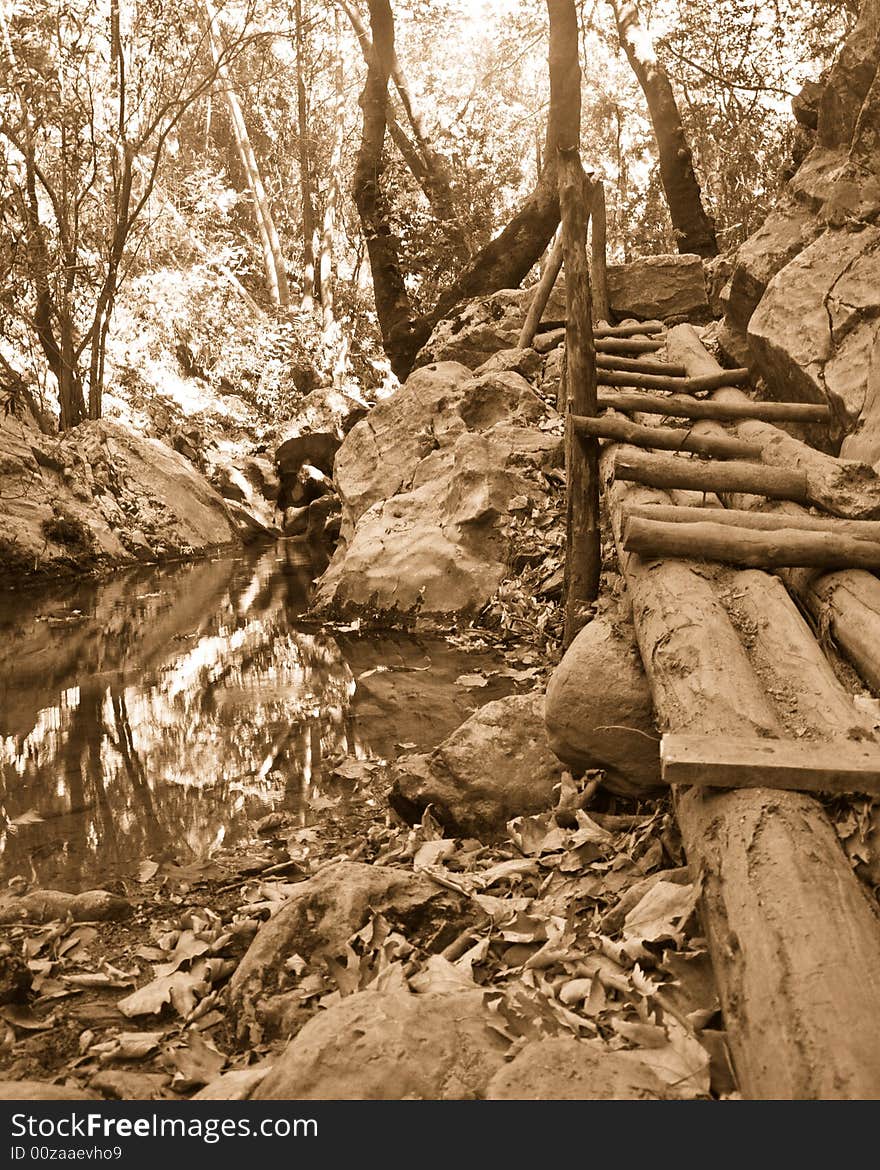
[(579, 922)]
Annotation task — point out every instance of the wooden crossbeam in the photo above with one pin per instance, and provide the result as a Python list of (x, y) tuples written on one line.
[(801, 765), (681, 406)]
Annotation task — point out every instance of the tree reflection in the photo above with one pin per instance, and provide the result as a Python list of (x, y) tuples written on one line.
[(191, 705)]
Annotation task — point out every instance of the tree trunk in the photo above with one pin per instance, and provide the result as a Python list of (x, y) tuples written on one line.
[(392, 302), (598, 248), (307, 202), (429, 168), (273, 260), (694, 230), (328, 233)]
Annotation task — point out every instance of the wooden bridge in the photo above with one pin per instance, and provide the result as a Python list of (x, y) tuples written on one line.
[(746, 552)]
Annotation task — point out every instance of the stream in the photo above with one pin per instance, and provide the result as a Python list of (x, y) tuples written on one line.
[(160, 713)]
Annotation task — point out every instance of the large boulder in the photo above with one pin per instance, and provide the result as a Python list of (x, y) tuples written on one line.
[(496, 766), (315, 433), (317, 921), (390, 1046), (425, 482), (802, 306), (659, 287), (100, 494), (599, 712)]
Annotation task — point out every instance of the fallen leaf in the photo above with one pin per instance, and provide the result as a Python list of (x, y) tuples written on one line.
[(472, 680), (180, 989), (197, 1063), (147, 870), (661, 913)]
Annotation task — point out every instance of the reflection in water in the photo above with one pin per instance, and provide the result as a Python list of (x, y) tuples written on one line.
[(155, 715)]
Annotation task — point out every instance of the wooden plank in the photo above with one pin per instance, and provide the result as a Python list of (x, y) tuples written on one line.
[(794, 765), (665, 382), (782, 548), (620, 429), (680, 406), (671, 471), (542, 296)]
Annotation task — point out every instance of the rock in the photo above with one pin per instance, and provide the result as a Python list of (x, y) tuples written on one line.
[(381, 453), (425, 481), (521, 361), (390, 1046), (41, 1091), (317, 429), (122, 1085), (496, 766), (599, 712), (565, 1069), (237, 1085), (54, 905), (813, 332), (317, 921), (659, 287), (481, 328)]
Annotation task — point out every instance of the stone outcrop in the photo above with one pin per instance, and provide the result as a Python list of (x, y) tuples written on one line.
[(98, 495), (496, 766), (425, 482), (659, 287), (390, 1046), (802, 306), (599, 712)]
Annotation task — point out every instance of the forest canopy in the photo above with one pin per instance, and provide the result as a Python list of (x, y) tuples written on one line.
[(143, 139)]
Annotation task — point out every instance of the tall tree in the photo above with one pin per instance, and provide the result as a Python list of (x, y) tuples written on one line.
[(694, 230), (502, 263), (304, 151), (273, 257)]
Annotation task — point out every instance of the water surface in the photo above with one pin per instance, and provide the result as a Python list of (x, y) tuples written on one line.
[(160, 713)]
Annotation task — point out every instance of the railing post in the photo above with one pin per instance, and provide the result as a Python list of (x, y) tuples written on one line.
[(583, 557)]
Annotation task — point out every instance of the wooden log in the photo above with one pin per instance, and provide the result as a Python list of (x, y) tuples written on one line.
[(775, 763), (668, 471), (788, 660), (626, 345), (583, 555), (680, 406), (606, 361), (616, 427), (794, 939), (542, 296), (598, 262), (677, 385), (847, 606), (627, 329), (762, 521), (786, 547), (843, 487)]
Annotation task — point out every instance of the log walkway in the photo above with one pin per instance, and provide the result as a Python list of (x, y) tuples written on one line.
[(722, 560)]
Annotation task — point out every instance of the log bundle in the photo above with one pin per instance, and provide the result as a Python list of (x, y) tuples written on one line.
[(795, 942)]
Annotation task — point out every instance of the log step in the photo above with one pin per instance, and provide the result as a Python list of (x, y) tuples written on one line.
[(665, 382), (680, 406), (761, 521), (671, 471), (622, 430), (634, 329), (798, 765), (783, 548), (613, 361)]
